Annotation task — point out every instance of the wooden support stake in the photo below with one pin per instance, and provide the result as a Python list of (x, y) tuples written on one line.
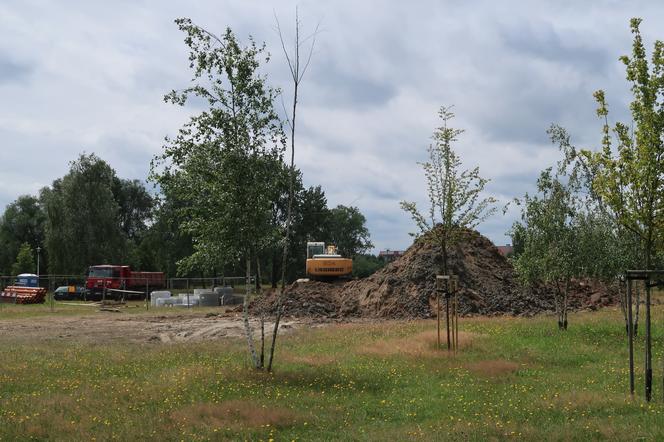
[(447, 320), (453, 324), (456, 320), (438, 316), (50, 286), (648, 373), (630, 337)]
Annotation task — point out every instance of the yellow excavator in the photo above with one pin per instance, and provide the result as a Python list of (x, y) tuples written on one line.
[(325, 263)]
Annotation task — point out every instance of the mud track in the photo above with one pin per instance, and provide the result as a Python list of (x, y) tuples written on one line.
[(114, 327)]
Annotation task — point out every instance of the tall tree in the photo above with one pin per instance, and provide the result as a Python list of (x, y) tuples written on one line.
[(164, 244), (551, 239), (311, 223), (82, 217), (612, 248), (630, 173), (25, 261), (135, 207), (348, 231), (455, 195), (224, 161), (315, 217), (23, 221)]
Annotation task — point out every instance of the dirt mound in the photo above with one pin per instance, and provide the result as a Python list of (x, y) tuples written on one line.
[(405, 288), (308, 299)]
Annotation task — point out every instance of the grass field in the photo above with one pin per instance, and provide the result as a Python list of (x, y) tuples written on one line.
[(514, 378)]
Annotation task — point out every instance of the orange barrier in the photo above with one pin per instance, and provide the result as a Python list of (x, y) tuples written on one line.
[(23, 295)]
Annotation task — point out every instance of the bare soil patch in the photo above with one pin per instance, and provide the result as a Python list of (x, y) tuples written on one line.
[(234, 414), (111, 327), (421, 344)]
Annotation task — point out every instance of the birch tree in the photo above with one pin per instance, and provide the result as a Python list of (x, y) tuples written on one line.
[(223, 163), (612, 248), (550, 236)]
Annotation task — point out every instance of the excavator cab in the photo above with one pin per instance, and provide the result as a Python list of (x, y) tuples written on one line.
[(315, 248)]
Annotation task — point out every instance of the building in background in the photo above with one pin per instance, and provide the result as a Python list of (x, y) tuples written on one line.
[(390, 255), (505, 250)]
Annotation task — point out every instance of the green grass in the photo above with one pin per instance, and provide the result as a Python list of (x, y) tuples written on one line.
[(514, 378), (61, 308)]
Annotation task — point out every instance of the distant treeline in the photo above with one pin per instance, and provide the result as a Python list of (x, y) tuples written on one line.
[(91, 216)]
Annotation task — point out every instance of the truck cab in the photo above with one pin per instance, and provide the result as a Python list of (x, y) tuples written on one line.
[(102, 277)]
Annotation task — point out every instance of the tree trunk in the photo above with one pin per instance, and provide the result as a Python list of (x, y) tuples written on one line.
[(245, 314), (558, 305), (275, 269), (565, 298), (280, 311), (262, 358), (622, 295), (443, 245), (648, 362), (638, 308), (258, 275)]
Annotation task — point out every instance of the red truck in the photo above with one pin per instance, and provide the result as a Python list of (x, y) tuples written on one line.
[(122, 278)]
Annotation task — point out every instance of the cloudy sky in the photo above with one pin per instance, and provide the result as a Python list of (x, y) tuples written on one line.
[(89, 76)]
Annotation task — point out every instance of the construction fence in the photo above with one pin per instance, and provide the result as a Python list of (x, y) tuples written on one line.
[(73, 287)]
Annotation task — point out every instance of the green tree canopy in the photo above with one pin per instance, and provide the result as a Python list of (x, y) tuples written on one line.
[(550, 239), (224, 163), (348, 230), (82, 227), (365, 265), (25, 261), (164, 244), (629, 168), (135, 206), (23, 221)]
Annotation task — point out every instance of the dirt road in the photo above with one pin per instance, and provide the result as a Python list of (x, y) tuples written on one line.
[(115, 327)]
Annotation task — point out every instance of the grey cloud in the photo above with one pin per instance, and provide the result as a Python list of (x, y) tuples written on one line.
[(526, 105), (384, 190), (540, 40), (368, 101), (513, 185), (130, 159), (338, 88), (12, 71)]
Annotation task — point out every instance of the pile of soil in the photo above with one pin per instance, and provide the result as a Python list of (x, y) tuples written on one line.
[(405, 288), (303, 299)]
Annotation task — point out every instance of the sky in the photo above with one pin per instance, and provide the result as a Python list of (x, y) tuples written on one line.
[(90, 76)]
